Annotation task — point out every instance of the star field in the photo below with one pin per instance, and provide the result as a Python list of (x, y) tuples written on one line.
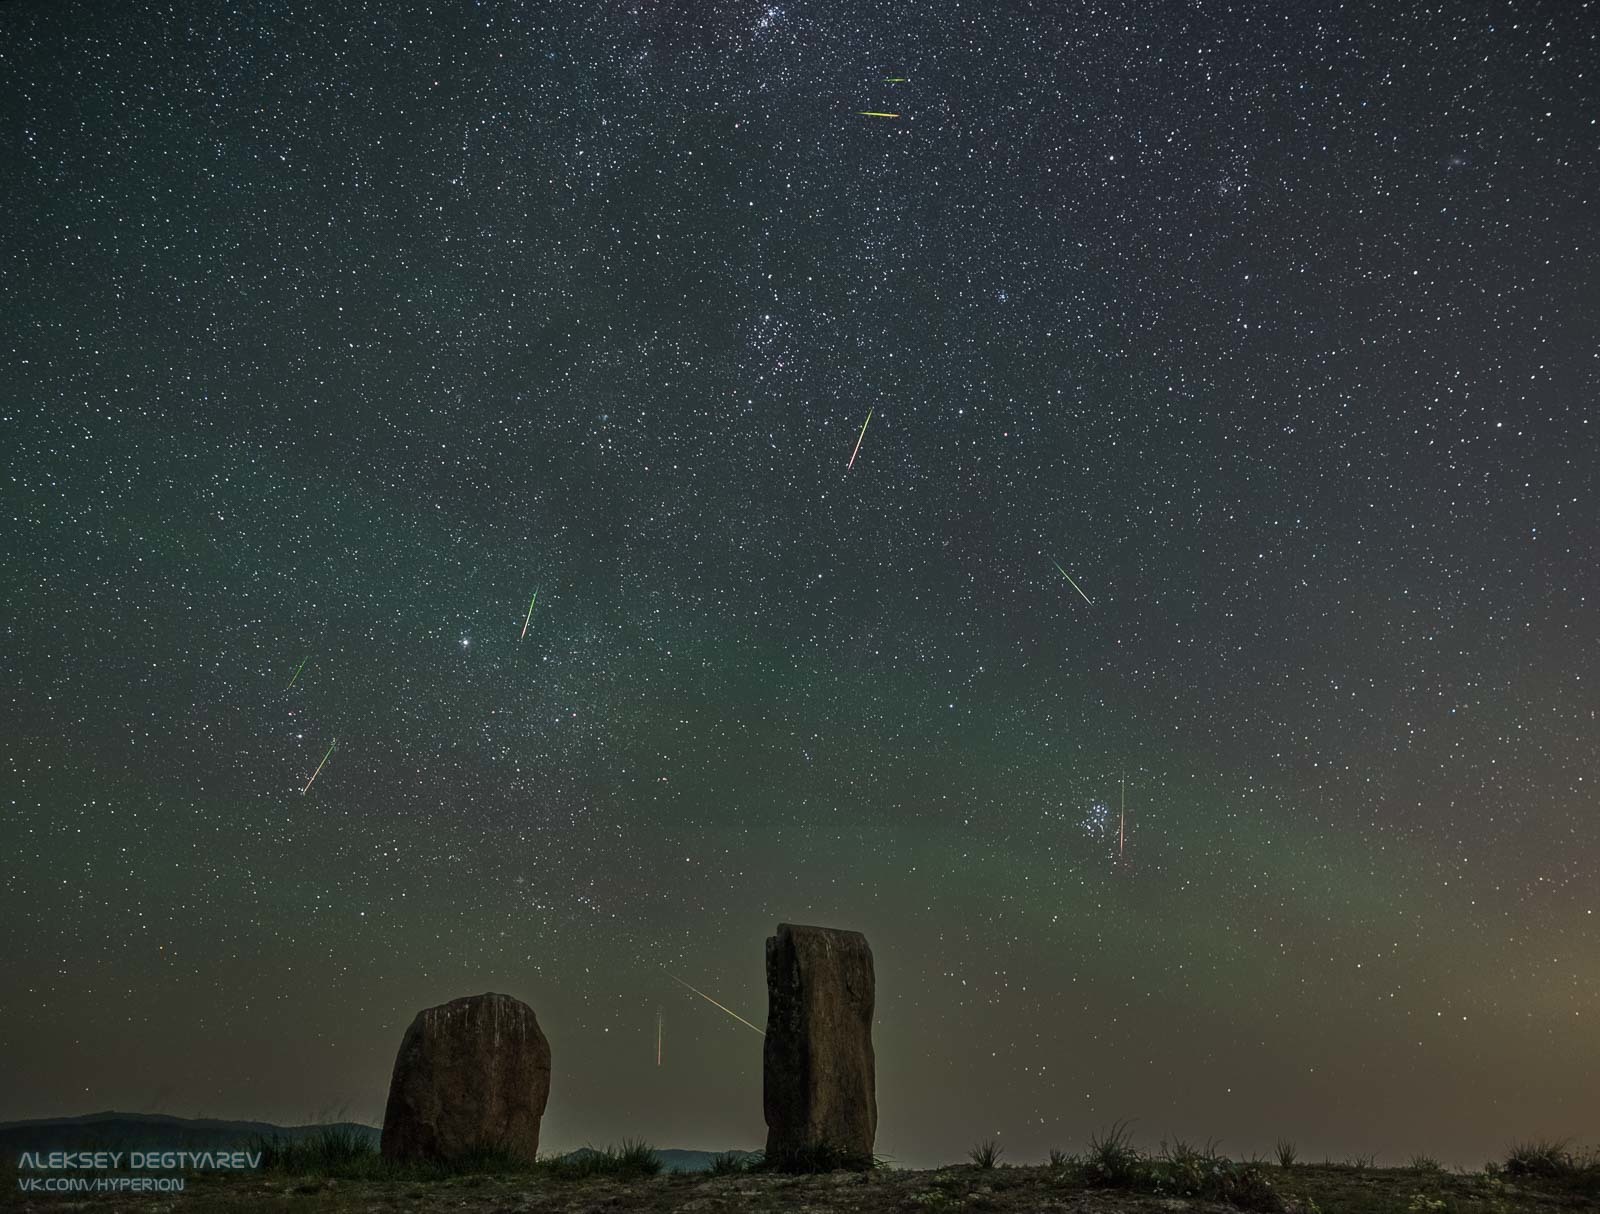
[(335, 334)]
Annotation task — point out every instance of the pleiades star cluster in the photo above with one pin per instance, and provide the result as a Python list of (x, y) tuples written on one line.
[(1100, 498)]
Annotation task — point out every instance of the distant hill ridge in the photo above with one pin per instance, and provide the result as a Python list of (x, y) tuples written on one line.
[(675, 1160), (144, 1131), (151, 1131), (201, 1124)]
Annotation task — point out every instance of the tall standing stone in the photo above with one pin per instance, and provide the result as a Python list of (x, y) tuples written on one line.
[(471, 1074), (819, 1091)]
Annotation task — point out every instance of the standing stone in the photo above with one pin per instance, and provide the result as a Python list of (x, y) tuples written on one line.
[(819, 1091), (471, 1074)]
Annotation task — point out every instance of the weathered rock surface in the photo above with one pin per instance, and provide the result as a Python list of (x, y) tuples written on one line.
[(819, 1086), (471, 1074)]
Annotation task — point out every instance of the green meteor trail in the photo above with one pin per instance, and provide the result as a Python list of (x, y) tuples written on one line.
[(297, 671), (320, 766), (896, 79), (531, 602), (859, 437), (875, 114), (1075, 585)]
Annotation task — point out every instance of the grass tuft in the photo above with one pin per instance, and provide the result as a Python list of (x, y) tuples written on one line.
[(1112, 1159), (986, 1154), (1180, 1170), (1555, 1163), (634, 1158), (1540, 1157), (818, 1157), (1181, 1152), (333, 1150), (1286, 1152)]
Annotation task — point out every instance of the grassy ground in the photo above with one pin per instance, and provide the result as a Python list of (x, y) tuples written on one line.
[(1112, 1178)]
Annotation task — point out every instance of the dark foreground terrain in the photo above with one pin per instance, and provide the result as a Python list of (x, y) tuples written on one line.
[(1297, 1190), (338, 1168)]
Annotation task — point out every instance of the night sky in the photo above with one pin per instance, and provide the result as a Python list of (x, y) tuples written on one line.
[(333, 333)]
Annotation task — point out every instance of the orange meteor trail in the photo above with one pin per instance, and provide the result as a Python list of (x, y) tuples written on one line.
[(713, 1002), (859, 437)]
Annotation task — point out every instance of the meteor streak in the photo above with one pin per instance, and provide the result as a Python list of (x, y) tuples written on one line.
[(896, 79), (713, 1002), (859, 437), (1075, 585), (320, 766), (875, 114), (531, 602), (297, 671)]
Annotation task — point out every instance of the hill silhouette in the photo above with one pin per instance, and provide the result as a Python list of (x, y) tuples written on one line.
[(112, 1130)]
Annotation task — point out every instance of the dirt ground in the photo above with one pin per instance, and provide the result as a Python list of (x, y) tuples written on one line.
[(1013, 1190)]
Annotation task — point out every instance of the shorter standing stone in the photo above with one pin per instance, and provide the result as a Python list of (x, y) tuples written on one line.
[(819, 1088), (472, 1074)]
